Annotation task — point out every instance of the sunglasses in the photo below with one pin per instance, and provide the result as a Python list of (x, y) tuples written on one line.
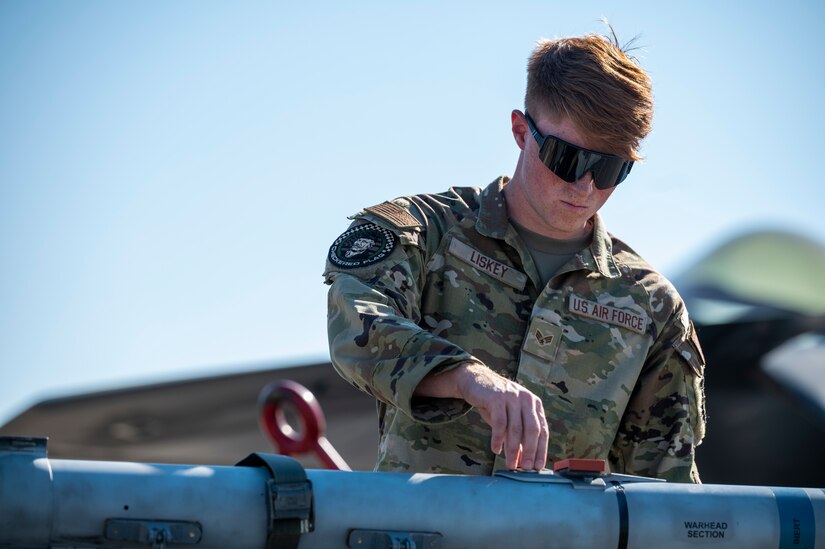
[(571, 162)]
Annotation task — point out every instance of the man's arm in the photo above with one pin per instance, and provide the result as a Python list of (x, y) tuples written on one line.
[(377, 345)]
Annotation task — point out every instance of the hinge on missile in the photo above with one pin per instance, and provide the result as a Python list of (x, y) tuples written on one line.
[(387, 539), (152, 532)]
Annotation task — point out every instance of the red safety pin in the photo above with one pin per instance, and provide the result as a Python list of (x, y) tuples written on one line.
[(286, 439)]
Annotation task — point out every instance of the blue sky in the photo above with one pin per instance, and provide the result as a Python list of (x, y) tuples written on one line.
[(172, 173)]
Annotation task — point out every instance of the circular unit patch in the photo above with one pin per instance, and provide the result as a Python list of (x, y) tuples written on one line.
[(362, 245)]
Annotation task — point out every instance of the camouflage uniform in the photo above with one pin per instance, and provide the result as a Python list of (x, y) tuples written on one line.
[(606, 345)]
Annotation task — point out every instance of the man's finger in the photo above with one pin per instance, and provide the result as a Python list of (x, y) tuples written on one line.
[(498, 426), (531, 427), (544, 437), (514, 434)]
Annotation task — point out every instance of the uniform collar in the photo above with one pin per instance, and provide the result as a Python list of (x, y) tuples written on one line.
[(494, 222), (598, 257), (492, 216)]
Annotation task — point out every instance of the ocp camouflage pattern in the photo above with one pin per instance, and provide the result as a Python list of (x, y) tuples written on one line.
[(621, 376)]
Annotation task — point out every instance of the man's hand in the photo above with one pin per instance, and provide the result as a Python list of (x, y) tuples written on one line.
[(515, 415)]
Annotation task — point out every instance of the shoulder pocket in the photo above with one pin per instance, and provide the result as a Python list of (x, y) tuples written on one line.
[(690, 351)]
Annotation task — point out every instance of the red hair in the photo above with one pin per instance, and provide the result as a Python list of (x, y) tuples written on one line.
[(594, 83)]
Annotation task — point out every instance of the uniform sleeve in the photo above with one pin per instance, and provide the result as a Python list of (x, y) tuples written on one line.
[(375, 339), (665, 418)]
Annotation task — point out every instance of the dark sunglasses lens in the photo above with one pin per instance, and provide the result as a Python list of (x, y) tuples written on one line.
[(561, 158), (609, 172)]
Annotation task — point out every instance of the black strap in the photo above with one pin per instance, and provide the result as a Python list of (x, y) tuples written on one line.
[(290, 499), (623, 515)]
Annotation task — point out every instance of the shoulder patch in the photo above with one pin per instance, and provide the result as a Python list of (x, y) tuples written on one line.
[(395, 214), (362, 245), (691, 351)]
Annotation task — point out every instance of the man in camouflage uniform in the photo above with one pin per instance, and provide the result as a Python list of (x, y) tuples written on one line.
[(508, 319)]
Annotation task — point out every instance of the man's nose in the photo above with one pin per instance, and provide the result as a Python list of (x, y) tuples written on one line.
[(584, 184)]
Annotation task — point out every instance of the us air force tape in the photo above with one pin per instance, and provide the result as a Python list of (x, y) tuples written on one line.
[(362, 245)]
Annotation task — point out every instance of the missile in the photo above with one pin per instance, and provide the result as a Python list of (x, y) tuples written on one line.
[(271, 501)]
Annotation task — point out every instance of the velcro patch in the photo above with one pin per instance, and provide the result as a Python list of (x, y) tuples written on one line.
[(605, 313), (487, 265), (395, 214), (362, 245)]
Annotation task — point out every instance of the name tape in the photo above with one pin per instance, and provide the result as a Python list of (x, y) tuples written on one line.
[(608, 314), (488, 265)]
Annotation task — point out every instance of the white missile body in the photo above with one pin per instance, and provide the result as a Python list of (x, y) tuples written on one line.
[(82, 504)]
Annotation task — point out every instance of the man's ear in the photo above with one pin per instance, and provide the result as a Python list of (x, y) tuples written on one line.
[(519, 126)]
